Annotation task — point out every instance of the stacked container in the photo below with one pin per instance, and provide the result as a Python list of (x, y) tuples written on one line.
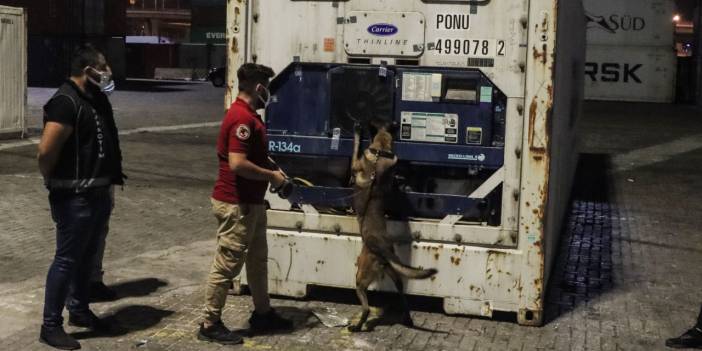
[(630, 50)]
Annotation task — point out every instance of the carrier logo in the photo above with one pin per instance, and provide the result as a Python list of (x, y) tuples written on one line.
[(460, 157), (383, 29)]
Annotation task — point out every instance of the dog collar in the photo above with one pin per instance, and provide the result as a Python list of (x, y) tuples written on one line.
[(382, 153)]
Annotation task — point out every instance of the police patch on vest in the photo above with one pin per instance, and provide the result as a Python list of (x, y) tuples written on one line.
[(243, 132)]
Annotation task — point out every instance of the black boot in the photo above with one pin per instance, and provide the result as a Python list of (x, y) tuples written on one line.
[(88, 320), (691, 339), (99, 292), (268, 322), (57, 337), (218, 333)]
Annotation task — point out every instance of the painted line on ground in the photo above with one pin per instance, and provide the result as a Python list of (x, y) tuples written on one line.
[(656, 153), (35, 140)]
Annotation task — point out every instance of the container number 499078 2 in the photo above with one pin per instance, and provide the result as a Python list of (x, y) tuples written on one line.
[(470, 47)]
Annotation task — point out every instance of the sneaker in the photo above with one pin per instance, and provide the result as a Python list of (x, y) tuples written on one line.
[(88, 320), (218, 333), (271, 321), (691, 339), (99, 292), (56, 337)]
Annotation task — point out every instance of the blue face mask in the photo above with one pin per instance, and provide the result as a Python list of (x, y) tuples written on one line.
[(104, 81), (109, 88)]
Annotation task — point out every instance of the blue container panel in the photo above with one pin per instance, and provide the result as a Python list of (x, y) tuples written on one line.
[(438, 154), (479, 114), (301, 95)]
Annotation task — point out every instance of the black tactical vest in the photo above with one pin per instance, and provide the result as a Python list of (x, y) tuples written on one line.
[(91, 156)]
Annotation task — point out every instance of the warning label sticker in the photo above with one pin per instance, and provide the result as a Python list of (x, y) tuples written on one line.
[(429, 127), (422, 87)]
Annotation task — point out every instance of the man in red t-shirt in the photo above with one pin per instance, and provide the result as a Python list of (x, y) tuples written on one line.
[(237, 203)]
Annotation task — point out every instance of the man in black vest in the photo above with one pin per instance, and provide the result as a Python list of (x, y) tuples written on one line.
[(80, 159)]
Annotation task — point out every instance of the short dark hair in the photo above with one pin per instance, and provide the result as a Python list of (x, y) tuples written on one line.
[(83, 56), (251, 74)]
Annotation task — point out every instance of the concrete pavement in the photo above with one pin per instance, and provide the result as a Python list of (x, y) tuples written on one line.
[(627, 277)]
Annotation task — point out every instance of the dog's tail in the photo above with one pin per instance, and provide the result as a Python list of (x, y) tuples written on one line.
[(412, 272), (399, 267)]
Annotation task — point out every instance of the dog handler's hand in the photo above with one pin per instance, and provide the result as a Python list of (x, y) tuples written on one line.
[(277, 179)]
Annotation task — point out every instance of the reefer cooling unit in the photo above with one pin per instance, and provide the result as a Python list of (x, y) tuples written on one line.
[(485, 96)]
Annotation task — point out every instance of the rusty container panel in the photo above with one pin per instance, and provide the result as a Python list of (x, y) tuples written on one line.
[(567, 98), (239, 20), (554, 95), (481, 268), (13, 69)]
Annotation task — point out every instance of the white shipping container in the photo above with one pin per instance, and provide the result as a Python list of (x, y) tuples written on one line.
[(533, 50), (630, 52), (13, 69), (629, 22), (630, 73)]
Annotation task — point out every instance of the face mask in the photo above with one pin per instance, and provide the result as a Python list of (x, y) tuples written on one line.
[(104, 81), (267, 100)]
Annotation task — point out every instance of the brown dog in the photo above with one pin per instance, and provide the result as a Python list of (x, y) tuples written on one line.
[(372, 180)]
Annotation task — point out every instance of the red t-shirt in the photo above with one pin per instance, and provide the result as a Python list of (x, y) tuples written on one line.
[(242, 131)]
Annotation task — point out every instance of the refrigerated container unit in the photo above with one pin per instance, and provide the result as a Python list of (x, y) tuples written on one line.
[(486, 96)]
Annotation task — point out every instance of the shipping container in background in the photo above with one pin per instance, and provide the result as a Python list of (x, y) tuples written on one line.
[(13, 70), (508, 75), (629, 22), (56, 28), (636, 73), (630, 50)]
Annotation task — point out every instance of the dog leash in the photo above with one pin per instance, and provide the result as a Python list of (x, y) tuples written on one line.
[(370, 191)]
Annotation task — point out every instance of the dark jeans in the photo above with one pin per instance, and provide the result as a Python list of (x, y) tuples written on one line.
[(98, 273), (80, 220)]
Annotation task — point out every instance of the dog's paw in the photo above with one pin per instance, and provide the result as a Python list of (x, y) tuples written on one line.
[(354, 328), (357, 128)]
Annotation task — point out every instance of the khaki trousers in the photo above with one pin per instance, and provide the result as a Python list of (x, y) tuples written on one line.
[(241, 238)]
